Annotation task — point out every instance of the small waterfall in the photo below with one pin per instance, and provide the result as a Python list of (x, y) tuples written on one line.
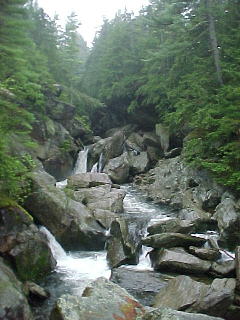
[(95, 167), (81, 164), (57, 251), (98, 166)]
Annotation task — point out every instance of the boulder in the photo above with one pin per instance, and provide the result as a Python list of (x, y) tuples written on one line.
[(138, 163), (103, 197), (118, 169), (23, 244), (169, 314), (101, 300), (154, 154), (170, 240), (88, 180), (173, 153), (224, 268), (210, 254), (183, 293), (179, 261), (69, 221), (111, 147), (35, 293), (13, 303), (121, 249), (135, 142), (104, 217), (171, 225), (143, 285), (228, 218), (151, 139)]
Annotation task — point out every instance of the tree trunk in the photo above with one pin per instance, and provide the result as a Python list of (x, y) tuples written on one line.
[(213, 42)]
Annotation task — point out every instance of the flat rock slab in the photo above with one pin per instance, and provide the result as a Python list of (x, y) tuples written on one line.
[(186, 294), (172, 225), (87, 180), (169, 314), (170, 240), (142, 284), (210, 254), (103, 299), (179, 261)]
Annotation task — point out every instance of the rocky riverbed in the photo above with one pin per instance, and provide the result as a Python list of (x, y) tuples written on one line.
[(190, 234)]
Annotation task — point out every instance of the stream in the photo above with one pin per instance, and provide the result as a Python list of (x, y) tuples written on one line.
[(75, 270)]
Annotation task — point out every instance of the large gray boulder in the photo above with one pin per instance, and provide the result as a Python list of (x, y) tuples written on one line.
[(70, 221), (23, 244), (138, 163), (169, 314), (183, 293), (13, 303), (170, 240), (224, 268), (211, 254), (172, 225), (179, 261), (164, 136), (101, 198), (101, 300), (228, 218), (121, 249), (118, 169), (88, 180)]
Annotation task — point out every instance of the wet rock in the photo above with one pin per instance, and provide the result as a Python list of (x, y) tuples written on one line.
[(179, 261), (88, 180), (69, 221), (171, 225), (205, 253), (13, 303), (143, 285), (237, 260), (228, 217), (111, 147), (35, 292), (138, 163), (224, 268), (102, 197), (23, 244), (104, 217), (118, 169), (183, 293), (170, 240), (121, 249), (101, 300), (169, 314)]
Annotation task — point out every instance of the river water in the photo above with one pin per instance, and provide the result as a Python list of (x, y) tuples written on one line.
[(75, 270)]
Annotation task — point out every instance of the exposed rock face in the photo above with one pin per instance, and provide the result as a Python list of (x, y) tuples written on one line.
[(13, 303), (71, 222), (24, 245), (183, 293), (169, 314), (88, 180), (238, 267), (163, 133), (194, 194), (121, 249), (143, 285), (170, 240), (179, 261), (171, 225), (101, 300)]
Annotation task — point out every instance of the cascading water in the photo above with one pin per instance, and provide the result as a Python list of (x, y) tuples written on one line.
[(81, 164)]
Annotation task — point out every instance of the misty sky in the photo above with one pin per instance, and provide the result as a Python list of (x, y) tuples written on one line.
[(90, 12)]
